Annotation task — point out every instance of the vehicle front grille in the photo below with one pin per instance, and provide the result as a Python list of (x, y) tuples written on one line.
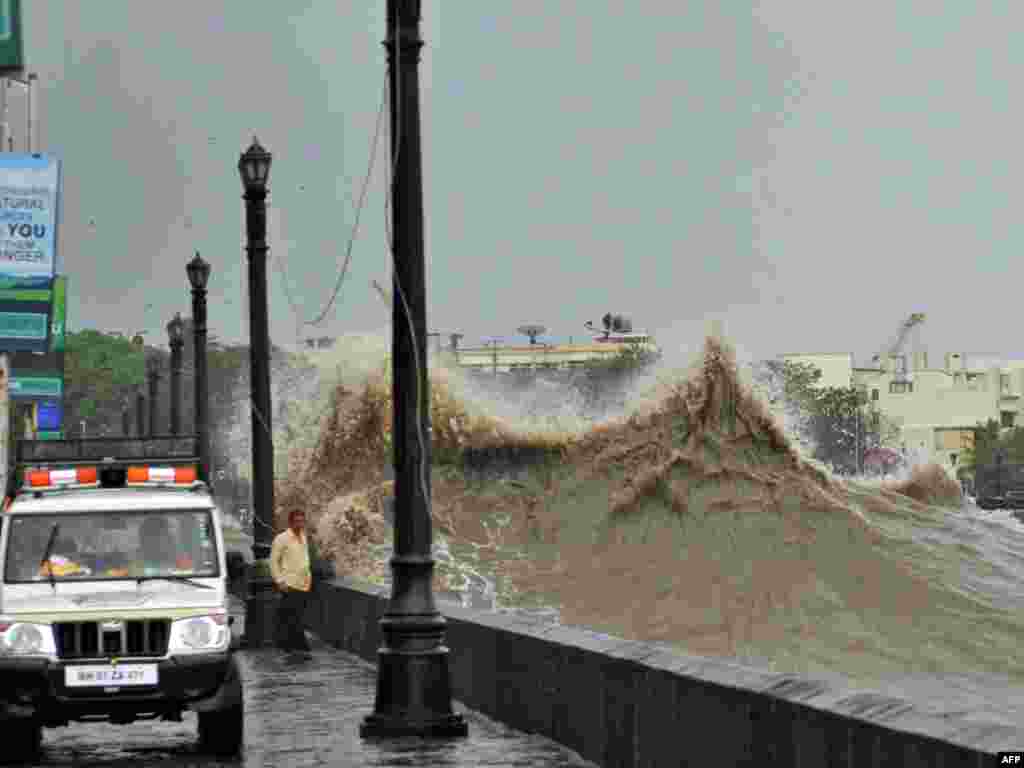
[(100, 639)]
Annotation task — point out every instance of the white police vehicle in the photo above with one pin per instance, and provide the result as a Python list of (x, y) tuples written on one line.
[(113, 593)]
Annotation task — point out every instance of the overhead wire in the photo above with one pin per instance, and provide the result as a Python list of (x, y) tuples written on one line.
[(359, 210), (282, 267), (282, 272)]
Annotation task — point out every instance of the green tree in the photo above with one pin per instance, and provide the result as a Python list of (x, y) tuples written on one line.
[(100, 371), (795, 382), (844, 425), (988, 437)]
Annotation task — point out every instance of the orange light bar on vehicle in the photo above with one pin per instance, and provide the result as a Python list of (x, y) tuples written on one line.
[(176, 475), (45, 478)]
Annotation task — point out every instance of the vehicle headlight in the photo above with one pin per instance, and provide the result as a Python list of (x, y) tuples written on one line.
[(23, 639), (202, 633)]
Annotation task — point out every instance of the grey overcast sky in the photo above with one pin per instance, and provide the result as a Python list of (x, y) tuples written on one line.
[(809, 173)]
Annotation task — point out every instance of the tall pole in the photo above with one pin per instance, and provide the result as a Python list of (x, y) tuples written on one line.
[(5, 423), (202, 404), (5, 368), (413, 680), (140, 413), (3, 114), (154, 378), (30, 115), (7, 126), (176, 347), (259, 358), (126, 426)]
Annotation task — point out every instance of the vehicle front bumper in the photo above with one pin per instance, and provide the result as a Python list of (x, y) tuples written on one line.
[(35, 687)]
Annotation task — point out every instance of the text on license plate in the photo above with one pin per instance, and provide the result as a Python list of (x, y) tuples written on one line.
[(122, 674)]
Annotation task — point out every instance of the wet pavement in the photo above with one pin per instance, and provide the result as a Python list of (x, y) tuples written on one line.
[(301, 712)]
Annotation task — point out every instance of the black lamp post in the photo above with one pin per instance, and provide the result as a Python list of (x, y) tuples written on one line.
[(254, 169), (154, 376), (140, 412), (413, 680), (153, 373), (126, 425), (198, 275), (176, 334)]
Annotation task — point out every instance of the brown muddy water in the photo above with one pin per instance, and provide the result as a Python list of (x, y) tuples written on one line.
[(694, 522)]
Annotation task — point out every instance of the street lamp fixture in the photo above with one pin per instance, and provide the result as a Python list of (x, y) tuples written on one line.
[(254, 167), (176, 328), (198, 272)]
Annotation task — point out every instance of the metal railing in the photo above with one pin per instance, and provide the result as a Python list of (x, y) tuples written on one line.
[(165, 449)]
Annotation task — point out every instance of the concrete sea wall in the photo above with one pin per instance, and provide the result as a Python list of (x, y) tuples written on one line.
[(622, 703)]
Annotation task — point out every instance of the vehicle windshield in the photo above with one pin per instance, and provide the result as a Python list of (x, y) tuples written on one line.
[(106, 546)]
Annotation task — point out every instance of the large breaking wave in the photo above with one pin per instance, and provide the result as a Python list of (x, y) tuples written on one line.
[(689, 517)]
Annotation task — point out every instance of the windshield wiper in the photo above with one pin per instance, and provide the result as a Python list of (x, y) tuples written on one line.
[(47, 553), (172, 577)]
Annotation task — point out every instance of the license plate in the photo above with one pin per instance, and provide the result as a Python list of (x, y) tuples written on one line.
[(111, 677)]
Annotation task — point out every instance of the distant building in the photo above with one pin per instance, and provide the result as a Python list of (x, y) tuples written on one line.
[(936, 408)]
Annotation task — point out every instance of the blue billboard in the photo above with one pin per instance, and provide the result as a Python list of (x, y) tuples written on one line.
[(49, 415), (29, 201)]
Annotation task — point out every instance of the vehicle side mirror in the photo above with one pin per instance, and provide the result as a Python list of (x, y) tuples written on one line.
[(236, 565)]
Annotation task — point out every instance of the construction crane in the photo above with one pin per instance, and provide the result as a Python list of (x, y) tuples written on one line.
[(896, 347)]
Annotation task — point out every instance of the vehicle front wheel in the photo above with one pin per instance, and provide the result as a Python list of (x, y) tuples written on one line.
[(222, 733), (23, 743)]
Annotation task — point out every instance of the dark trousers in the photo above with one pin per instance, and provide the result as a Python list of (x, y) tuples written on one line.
[(291, 615)]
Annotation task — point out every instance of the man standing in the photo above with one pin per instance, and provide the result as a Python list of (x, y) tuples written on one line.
[(290, 570)]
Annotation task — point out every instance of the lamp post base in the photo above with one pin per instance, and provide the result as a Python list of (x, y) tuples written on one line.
[(260, 613), (413, 697)]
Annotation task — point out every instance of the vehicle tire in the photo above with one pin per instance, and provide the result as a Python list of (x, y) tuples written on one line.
[(24, 741), (222, 733)]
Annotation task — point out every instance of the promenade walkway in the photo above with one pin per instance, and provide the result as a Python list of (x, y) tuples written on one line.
[(302, 712)]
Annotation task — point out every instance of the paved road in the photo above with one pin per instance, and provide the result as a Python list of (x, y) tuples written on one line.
[(302, 712)]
